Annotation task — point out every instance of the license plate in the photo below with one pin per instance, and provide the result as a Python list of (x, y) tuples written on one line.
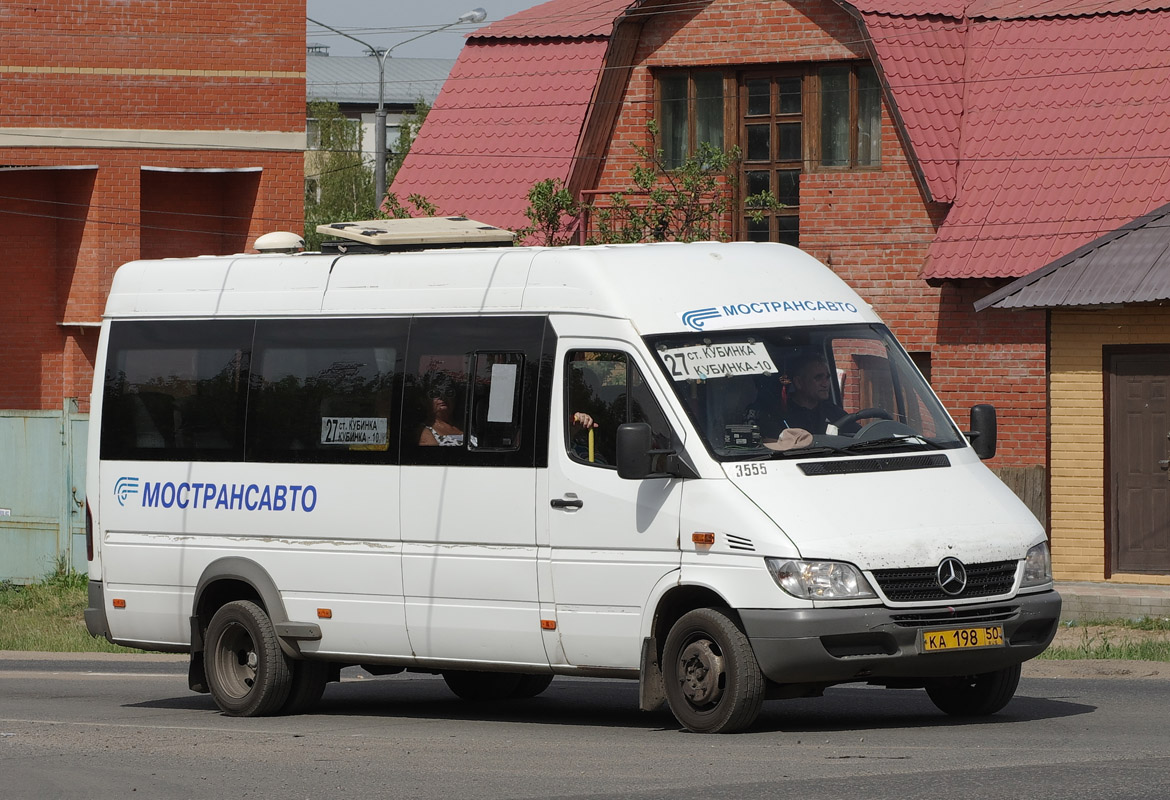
[(962, 639)]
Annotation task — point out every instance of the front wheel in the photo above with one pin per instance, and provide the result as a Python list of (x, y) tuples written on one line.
[(247, 671), (713, 683), (975, 695)]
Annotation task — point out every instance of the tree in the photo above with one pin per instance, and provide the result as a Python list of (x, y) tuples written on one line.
[(688, 203), (339, 184), (552, 212)]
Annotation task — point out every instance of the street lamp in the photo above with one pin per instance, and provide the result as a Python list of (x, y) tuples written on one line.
[(474, 16)]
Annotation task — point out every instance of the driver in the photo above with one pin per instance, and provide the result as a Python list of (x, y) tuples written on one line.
[(809, 406)]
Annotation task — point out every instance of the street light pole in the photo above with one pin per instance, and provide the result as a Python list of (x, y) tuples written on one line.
[(475, 15)]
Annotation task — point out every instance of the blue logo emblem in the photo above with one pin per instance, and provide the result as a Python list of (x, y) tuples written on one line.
[(124, 487), (696, 318)]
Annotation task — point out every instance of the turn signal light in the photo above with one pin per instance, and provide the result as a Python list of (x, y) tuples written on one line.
[(119, 602), (324, 613), (703, 538), (548, 624)]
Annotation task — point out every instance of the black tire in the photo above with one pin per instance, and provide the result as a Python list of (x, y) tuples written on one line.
[(482, 686), (975, 695), (531, 685), (713, 683), (308, 684), (247, 672)]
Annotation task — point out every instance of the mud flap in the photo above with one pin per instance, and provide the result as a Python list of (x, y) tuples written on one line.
[(651, 689)]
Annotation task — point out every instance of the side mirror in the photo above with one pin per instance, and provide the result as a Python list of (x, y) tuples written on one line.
[(983, 430), (633, 450)]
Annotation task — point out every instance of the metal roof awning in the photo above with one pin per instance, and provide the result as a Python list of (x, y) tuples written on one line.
[(1128, 265), (380, 235)]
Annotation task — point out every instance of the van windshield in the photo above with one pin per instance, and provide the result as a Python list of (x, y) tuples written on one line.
[(823, 390)]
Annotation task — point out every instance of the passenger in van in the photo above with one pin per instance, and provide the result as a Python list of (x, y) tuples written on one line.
[(439, 429)]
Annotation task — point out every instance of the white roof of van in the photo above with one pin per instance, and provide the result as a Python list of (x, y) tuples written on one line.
[(660, 287)]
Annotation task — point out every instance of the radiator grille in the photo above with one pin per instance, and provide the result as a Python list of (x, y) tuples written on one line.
[(920, 584)]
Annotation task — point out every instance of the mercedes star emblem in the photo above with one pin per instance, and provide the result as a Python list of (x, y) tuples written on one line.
[(952, 576)]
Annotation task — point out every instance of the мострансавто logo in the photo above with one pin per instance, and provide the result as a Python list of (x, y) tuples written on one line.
[(123, 488), (218, 496), (697, 318)]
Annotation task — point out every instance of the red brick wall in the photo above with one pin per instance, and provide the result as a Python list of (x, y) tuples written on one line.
[(872, 227), (158, 67)]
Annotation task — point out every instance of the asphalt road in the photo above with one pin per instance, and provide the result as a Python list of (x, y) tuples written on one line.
[(82, 727)]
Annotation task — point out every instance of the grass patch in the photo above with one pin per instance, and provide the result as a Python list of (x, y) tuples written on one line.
[(1146, 639), (49, 616)]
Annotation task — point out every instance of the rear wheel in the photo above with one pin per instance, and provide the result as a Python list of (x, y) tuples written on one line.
[(247, 671), (480, 686), (713, 684), (975, 695)]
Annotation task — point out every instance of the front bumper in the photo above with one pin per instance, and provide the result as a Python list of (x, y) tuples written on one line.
[(836, 645)]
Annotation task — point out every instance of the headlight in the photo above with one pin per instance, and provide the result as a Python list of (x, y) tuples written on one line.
[(1037, 566), (819, 580)]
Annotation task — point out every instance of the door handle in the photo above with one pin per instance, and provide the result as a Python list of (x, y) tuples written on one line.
[(571, 502)]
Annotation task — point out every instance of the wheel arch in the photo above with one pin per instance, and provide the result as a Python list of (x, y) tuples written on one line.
[(679, 600), (236, 578)]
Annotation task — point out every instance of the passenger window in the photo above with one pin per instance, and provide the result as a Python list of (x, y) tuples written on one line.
[(323, 391), (175, 390), (470, 392), (609, 388)]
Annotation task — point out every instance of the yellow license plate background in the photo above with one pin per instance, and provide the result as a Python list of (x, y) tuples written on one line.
[(962, 639)]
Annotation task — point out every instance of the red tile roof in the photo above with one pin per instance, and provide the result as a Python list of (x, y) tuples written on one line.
[(511, 112), (1045, 123), (558, 19)]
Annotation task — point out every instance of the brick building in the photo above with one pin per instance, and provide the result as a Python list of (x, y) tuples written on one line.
[(128, 130)]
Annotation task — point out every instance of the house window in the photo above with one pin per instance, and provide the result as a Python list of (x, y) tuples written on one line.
[(850, 116), (789, 120), (771, 134), (690, 111)]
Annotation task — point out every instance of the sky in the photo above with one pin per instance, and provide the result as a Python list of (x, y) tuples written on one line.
[(385, 23)]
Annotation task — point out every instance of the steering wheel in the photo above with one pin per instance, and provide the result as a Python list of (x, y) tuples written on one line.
[(865, 413)]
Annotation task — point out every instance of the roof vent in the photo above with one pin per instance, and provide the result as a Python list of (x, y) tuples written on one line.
[(417, 233), (280, 242)]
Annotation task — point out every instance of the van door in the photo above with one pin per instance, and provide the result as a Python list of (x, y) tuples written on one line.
[(611, 540), (468, 490)]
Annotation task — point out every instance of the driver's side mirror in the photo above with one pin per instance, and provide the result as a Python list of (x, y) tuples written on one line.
[(633, 450), (636, 459), (983, 430)]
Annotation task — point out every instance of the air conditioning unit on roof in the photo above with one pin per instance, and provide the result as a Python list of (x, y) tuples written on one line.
[(416, 233)]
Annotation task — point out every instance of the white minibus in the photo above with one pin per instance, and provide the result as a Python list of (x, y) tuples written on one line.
[(708, 467)]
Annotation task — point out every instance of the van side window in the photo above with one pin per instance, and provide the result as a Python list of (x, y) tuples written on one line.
[(610, 388), (176, 390), (470, 391), (324, 390)]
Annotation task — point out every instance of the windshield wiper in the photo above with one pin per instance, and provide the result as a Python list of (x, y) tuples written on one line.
[(812, 450), (904, 438)]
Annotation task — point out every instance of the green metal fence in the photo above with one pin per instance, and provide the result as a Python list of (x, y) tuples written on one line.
[(42, 492)]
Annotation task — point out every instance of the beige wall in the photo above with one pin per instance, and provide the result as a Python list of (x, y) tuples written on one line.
[(1077, 462)]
